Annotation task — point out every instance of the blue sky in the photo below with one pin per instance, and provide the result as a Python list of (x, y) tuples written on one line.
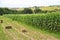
[(28, 3)]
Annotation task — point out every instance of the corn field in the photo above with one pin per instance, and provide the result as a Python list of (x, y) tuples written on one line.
[(49, 21)]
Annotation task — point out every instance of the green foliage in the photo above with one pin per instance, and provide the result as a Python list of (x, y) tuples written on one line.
[(1, 11), (27, 11), (49, 22), (8, 11), (37, 10)]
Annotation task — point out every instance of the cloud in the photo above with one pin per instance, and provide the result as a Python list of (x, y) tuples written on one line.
[(24, 3), (9, 1)]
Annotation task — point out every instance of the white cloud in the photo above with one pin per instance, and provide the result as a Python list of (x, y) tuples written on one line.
[(24, 3)]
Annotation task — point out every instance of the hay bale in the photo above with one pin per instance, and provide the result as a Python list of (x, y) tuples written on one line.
[(24, 30), (8, 27), (1, 21)]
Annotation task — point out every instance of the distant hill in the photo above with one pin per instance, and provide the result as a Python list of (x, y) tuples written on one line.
[(52, 7), (55, 5)]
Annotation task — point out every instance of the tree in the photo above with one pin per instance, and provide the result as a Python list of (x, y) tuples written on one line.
[(1, 11), (37, 10), (27, 11)]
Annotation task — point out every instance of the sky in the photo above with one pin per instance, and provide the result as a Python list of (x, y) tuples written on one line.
[(27, 3)]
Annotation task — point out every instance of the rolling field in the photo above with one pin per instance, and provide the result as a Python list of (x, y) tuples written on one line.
[(49, 8), (15, 33)]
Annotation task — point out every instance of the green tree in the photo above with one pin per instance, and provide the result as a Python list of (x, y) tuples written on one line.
[(37, 10), (27, 11), (1, 11)]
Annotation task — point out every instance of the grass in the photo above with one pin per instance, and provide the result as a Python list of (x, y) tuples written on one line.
[(2, 34), (20, 25), (57, 35)]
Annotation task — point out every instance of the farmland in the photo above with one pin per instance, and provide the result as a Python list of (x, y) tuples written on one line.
[(38, 26), (51, 21)]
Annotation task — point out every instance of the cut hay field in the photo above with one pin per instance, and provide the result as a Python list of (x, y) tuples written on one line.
[(17, 33)]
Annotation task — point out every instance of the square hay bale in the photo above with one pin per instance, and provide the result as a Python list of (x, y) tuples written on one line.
[(24, 30), (8, 27), (1, 21)]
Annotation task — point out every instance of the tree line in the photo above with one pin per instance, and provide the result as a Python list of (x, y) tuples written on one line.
[(25, 11)]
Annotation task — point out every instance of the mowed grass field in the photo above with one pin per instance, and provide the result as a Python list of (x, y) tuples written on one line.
[(15, 33)]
